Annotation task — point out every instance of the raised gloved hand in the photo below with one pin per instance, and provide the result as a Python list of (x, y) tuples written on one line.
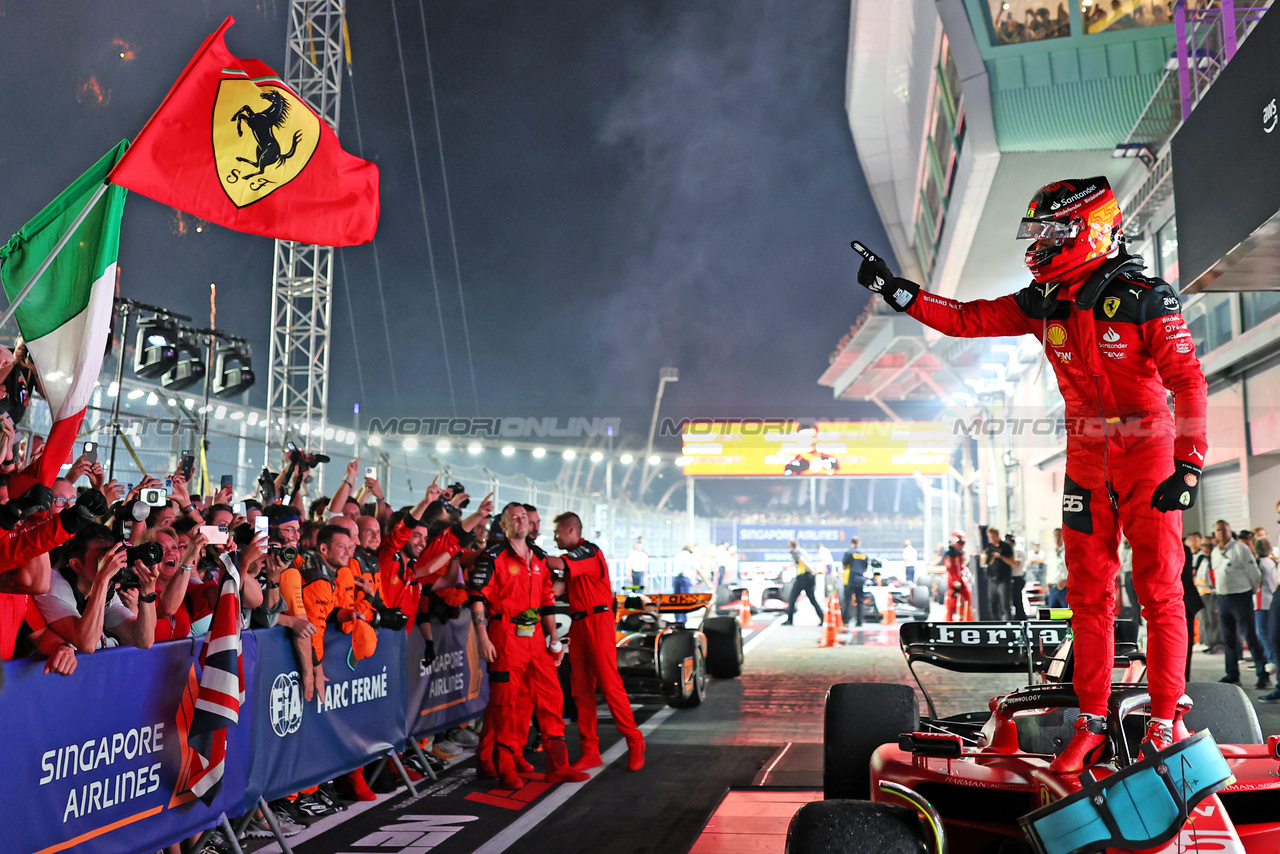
[(1179, 490), (90, 506), (428, 652), (37, 499), (875, 275)]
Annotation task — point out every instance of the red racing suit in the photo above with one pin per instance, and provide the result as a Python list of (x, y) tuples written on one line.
[(593, 648), (523, 665), (959, 597), (1115, 365)]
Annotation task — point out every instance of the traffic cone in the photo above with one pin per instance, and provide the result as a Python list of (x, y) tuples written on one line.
[(889, 617), (744, 609), (833, 606), (968, 611), (829, 638)]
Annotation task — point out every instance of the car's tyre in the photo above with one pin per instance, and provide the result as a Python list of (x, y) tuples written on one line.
[(724, 647), (920, 599), (1225, 711), (861, 716), (677, 647), (855, 827)]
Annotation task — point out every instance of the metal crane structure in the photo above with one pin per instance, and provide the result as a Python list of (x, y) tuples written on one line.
[(302, 289)]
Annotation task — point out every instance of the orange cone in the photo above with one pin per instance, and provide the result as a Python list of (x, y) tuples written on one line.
[(829, 628), (744, 609), (889, 617), (833, 605)]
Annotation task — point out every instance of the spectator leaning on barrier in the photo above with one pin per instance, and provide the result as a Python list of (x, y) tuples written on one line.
[(1237, 578), (88, 606)]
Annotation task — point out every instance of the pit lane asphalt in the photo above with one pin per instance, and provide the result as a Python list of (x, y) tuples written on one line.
[(764, 728)]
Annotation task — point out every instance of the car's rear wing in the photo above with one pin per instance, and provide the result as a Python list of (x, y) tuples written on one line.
[(1034, 646), (669, 603)]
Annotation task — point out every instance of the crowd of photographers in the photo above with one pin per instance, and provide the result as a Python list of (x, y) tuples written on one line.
[(91, 564)]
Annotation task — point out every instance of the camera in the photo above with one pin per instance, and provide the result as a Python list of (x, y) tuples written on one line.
[(154, 496), (457, 489), (288, 554), (149, 554), (301, 458), (389, 618)]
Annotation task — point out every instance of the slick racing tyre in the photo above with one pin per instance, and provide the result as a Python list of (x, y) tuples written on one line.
[(861, 716), (920, 597), (1225, 711), (855, 827), (724, 647), (678, 647)]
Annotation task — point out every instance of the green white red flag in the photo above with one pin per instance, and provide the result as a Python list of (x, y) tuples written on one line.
[(65, 319)]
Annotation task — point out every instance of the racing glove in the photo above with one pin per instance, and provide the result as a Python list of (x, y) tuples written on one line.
[(428, 652), (1179, 490), (37, 499), (875, 276), (90, 506)]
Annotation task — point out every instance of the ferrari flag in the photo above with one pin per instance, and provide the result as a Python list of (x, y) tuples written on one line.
[(66, 316), (232, 144)]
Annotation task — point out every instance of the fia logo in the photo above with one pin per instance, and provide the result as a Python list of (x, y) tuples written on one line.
[(286, 704)]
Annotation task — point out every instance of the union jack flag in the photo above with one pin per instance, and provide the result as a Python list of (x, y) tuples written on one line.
[(221, 691)]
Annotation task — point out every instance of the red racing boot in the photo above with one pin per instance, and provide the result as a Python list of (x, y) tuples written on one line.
[(355, 782), (1087, 746), (635, 753), (523, 766), (558, 768), (1159, 736), (589, 759), (507, 776)]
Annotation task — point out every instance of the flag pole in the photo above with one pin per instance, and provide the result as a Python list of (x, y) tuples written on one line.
[(26, 289)]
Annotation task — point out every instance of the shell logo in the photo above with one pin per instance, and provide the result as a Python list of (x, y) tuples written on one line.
[(1057, 334)]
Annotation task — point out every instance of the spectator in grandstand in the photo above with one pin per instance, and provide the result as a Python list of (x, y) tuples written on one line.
[(89, 606)]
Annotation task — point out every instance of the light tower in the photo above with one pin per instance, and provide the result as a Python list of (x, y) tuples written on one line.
[(302, 288)]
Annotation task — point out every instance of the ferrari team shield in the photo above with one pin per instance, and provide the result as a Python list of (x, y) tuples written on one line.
[(1110, 306), (263, 137)]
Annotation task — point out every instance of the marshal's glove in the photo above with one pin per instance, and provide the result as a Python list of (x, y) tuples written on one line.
[(875, 275), (1179, 490), (90, 506), (37, 499)]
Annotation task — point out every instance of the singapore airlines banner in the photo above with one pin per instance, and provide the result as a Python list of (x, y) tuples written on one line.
[(815, 448), (96, 761)]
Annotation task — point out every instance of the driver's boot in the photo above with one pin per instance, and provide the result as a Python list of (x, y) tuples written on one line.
[(1087, 746), (558, 768), (589, 759), (1160, 735)]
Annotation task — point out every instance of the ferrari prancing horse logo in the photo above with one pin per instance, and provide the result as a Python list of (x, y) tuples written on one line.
[(1110, 306), (252, 124)]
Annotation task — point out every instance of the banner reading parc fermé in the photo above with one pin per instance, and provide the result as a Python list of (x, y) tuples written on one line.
[(96, 762), (297, 744), (455, 687)]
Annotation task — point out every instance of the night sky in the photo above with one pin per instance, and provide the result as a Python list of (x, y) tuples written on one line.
[(631, 185)]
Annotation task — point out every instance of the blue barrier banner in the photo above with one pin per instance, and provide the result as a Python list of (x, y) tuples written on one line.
[(96, 761), (298, 744), (455, 688)]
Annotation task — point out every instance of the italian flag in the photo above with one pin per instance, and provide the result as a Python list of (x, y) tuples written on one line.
[(65, 318)]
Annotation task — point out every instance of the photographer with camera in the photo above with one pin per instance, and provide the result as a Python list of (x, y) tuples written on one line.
[(999, 559), (103, 592)]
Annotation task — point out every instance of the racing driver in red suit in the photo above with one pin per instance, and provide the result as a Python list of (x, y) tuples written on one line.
[(1119, 345), (959, 597)]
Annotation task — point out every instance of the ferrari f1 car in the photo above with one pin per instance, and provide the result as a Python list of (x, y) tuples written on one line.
[(979, 781), (673, 659)]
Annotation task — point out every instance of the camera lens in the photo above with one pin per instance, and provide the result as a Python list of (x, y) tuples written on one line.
[(149, 553)]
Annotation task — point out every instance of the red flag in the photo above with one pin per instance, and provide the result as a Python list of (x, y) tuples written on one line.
[(232, 144)]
